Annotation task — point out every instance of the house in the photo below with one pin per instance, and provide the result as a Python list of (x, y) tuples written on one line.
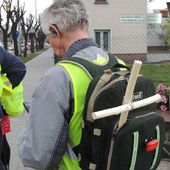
[(119, 27), (155, 36)]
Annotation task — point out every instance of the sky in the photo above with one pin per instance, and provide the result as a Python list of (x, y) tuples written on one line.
[(158, 4), (42, 4), (30, 5)]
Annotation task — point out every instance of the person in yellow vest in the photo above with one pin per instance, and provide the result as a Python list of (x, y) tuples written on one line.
[(56, 110), (12, 71)]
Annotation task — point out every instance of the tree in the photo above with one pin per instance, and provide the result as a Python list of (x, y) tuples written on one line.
[(165, 35), (148, 3), (26, 27), (41, 38), (17, 15), (5, 27), (36, 27), (13, 14)]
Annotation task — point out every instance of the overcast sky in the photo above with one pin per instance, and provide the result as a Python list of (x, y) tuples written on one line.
[(30, 5), (42, 4), (158, 4)]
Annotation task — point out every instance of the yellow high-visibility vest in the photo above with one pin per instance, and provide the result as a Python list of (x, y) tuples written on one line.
[(12, 99), (70, 162), (7, 86)]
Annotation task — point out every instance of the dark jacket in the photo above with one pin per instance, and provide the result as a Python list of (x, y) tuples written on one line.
[(12, 66), (15, 70)]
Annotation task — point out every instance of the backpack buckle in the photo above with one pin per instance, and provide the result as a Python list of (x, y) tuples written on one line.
[(89, 127), (84, 162)]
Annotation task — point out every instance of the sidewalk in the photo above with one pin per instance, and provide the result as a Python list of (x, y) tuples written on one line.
[(35, 69)]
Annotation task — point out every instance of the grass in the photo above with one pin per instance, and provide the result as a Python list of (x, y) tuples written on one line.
[(153, 52), (30, 56), (159, 73)]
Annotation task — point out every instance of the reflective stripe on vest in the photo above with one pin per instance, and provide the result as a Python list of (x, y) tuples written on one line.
[(69, 161), (122, 62), (7, 86)]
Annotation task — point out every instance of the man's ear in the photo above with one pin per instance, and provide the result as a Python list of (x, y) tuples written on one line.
[(55, 30)]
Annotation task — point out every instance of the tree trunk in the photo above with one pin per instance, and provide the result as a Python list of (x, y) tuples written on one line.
[(25, 50), (32, 45), (40, 44), (15, 43), (5, 40), (31, 36), (37, 46)]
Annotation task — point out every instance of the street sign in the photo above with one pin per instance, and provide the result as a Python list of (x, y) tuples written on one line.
[(131, 18), (17, 32), (154, 18)]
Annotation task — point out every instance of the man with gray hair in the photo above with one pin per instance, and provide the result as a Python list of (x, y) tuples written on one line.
[(56, 112)]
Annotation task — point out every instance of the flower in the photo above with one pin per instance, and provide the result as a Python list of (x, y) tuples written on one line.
[(164, 108), (164, 101)]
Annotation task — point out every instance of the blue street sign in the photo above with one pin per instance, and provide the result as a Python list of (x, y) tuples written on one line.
[(17, 32)]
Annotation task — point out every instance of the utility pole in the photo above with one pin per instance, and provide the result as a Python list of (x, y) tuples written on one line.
[(36, 33), (19, 38), (35, 10)]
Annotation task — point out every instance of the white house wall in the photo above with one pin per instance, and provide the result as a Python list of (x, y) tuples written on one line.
[(124, 36)]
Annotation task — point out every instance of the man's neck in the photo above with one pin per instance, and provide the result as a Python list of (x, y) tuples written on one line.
[(74, 36)]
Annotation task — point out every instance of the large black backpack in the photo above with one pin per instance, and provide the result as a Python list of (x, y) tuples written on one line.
[(134, 145)]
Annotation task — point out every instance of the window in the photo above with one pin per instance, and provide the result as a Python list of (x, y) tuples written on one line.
[(100, 1), (102, 38), (105, 41), (98, 38)]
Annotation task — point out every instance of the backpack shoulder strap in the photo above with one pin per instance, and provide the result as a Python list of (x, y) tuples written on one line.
[(93, 69)]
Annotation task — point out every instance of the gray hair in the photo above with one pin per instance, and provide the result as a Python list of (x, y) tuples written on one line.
[(67, 15)]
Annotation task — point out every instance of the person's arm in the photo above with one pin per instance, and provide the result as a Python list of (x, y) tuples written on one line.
[(45, 139), (12, 66)]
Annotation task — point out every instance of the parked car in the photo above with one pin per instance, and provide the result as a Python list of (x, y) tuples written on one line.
[(23, 47), (29, 46), (11, 49)]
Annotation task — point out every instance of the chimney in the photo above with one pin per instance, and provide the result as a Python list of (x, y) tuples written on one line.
[(168, 6)]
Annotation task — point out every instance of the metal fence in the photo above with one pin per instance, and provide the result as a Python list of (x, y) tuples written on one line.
[(150, 49)]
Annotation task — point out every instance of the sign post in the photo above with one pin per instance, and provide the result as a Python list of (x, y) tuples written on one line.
[(19, 39)]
